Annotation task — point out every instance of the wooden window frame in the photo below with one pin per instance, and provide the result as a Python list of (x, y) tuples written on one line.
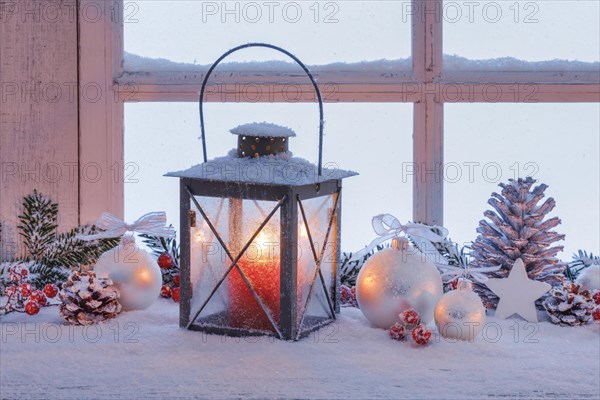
[(426, 86)]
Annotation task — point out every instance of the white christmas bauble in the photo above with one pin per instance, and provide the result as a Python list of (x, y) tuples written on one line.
[(134, 272), (460, 314), (590, 278), (394, 280)]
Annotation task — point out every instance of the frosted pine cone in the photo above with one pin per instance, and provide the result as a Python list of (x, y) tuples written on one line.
[(88, 300), (569, 305), (517, 228)]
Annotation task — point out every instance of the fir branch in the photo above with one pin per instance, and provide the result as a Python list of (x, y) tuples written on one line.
[(54, 255), (43, 274), (67, 250), (38, 223), (160, 245), (581, 261)]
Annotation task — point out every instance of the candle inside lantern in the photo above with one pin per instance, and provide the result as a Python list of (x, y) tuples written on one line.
[(261, 267)]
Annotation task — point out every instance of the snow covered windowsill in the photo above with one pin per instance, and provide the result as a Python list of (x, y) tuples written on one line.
[(145, 355)]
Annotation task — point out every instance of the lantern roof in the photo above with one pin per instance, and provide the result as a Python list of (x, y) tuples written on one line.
[(263, 129), (280, 169)]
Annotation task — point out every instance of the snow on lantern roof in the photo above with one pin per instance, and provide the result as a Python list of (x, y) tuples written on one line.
[(280, 169), (263, 129)]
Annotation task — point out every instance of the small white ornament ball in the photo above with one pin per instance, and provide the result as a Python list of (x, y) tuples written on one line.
[(394, 280), (460, 314), (590, 278), (134, 272)]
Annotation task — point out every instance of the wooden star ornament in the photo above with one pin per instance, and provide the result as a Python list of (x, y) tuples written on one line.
[(517, 293)]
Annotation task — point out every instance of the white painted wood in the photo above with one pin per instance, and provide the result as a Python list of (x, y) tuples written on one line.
[(100, 111), (38, 112), (428, 201), (411, 92)]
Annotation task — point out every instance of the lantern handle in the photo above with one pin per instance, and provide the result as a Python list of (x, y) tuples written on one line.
[(293, 57)]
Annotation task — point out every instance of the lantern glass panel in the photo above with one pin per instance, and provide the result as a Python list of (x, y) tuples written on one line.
[(234, 304), (207, 256), (318, 213)]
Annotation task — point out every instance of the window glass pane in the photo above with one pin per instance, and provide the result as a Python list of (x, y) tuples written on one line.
[(318, 32), (373, 139), (526, 30), (558, 144)]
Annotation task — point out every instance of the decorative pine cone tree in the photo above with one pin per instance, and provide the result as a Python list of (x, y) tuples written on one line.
[(517, 229), (569, 305), (87, 300)]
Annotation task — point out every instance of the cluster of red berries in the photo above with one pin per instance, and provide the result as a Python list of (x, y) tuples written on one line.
[(170, 277), (410, 321), (596, 312), (21, 297), (348, 296)]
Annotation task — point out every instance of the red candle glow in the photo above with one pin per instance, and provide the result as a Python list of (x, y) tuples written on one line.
[(261, 267)]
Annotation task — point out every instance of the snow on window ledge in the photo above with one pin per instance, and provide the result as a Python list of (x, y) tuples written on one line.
[(454, 63)]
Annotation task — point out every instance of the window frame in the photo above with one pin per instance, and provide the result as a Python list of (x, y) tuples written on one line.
[(427, 86)]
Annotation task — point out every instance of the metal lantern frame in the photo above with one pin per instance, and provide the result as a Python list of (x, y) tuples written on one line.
[(288, 200)]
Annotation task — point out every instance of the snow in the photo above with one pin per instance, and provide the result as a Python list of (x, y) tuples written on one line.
[(263, 129), (134, 63), (590, 277), (453, 62), (145, 355), (280, 169), (144, 66)]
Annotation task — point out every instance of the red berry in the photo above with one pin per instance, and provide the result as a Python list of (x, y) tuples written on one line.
[(596, 297), (345, 295), (398, 332), (165, 291), (348, 296), (24, 272), (175, 294), (32, 308), (165, 261), (410, 317), (176, 280), (596, 314), (421, 334), (50, 290), (11, 291), (25, 289), (453, 284), (39, 297)]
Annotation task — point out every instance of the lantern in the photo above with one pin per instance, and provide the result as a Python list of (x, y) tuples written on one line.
[(260, 233)]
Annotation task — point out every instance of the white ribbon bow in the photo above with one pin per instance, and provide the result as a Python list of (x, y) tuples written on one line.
[(386, 226), (153, 223)]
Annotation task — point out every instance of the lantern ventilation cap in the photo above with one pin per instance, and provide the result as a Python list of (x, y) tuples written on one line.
[(260, 139)]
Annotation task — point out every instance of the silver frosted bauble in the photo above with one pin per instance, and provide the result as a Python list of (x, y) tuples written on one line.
[(134, 272), (460, 313), (590, 278), (394, 280)]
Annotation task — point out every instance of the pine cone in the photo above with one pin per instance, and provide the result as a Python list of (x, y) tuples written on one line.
[(517, 229), (87, 300), (569, 305)]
